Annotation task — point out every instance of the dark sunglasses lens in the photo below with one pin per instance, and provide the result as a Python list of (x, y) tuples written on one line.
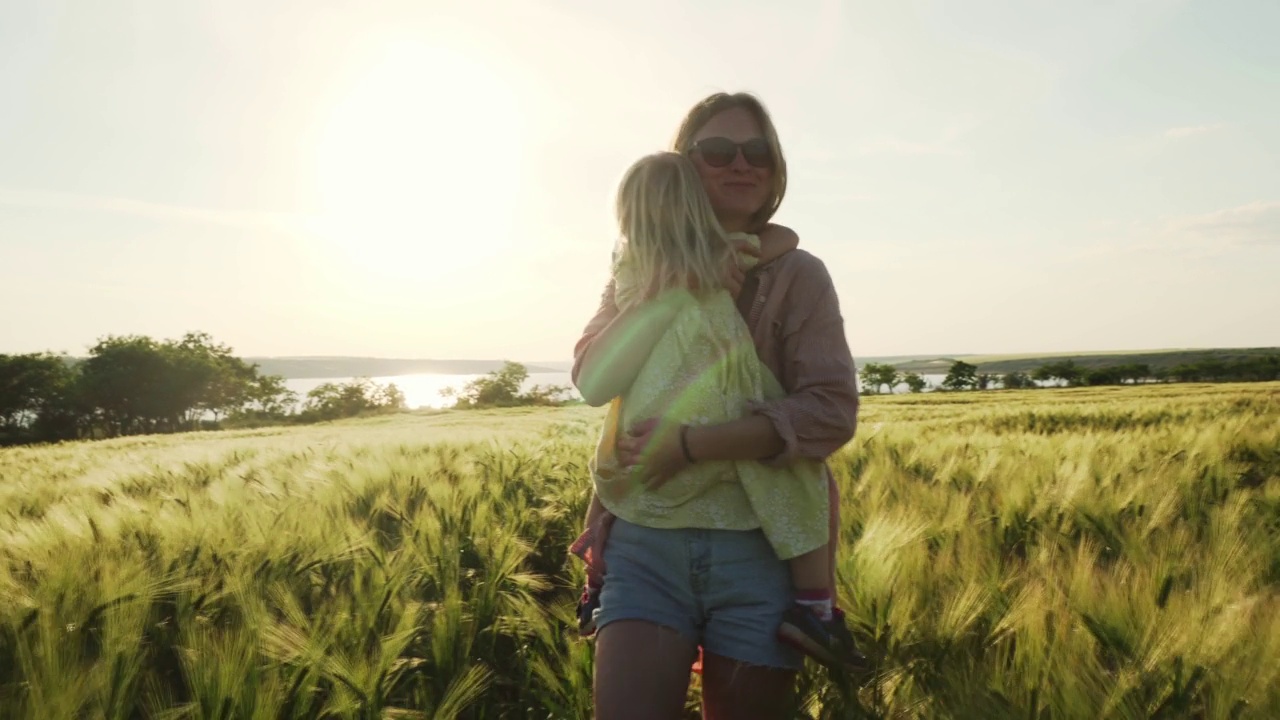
[(717, 152), (757, 153)]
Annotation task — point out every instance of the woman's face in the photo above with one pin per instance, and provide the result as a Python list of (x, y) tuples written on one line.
[(739, 188)]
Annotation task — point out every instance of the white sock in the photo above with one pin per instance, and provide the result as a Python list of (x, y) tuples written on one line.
[(821, 608)]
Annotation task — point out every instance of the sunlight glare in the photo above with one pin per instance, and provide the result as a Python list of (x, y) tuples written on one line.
[(420, 166)]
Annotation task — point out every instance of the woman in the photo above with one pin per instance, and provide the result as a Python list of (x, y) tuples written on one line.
[(669, 591)]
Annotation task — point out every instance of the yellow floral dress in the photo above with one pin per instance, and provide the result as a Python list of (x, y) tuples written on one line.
[(705, 370)]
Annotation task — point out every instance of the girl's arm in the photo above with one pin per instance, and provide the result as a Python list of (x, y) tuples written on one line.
[(615, 345), (607, 360)]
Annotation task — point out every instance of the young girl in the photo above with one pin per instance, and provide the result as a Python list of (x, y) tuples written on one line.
[(705, 370)]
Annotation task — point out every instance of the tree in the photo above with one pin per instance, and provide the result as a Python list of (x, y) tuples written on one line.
[(874, 375), (390, 397), (498, 388), (1135, 372), (1066, 371), (130, 383), (331, 401), (501, 388), (269, 396), (208, 378), (961, 376), (1016, 381), (37, 398), (1102, 376), (985, 380), (915, 382), (134, 384)]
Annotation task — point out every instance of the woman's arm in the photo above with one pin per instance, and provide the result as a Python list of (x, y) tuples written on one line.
[(753, 437), (819, 415), (816, 418)]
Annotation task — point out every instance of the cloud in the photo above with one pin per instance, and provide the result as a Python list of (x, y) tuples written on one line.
[(944, 145), (72, 202), (1188, 237), (1253, 224), (1191, 130), (897, 146)]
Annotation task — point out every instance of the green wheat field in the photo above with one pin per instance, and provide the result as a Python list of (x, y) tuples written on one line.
[(1087, 553)]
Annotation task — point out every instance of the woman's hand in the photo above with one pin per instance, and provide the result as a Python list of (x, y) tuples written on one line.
[(651, 452), (599, 537)]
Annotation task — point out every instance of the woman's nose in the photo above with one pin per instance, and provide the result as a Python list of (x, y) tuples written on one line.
[(740, 163)]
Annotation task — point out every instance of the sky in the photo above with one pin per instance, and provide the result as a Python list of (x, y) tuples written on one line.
[(434, 179)]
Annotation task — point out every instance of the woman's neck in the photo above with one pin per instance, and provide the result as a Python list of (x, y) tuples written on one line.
[(735, 224)]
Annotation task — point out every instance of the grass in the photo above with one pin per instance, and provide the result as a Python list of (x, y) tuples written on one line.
[(1085, 553)]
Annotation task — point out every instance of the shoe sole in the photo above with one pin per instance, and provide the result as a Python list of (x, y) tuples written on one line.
[(800, 640)]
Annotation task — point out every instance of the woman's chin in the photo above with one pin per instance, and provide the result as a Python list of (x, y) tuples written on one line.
[(735, 216)]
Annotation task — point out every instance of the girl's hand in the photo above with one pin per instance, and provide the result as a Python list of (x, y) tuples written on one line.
[(734, 276), (776, 240), (651, 452)]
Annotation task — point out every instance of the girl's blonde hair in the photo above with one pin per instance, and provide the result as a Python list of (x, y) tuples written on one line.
[(670, 235), (712, 105)]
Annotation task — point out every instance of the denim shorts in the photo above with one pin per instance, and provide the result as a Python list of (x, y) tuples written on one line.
[(724, 589)]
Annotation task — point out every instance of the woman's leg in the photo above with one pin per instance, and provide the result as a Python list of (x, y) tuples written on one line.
[(745, 590), (642, 671), (733, 690), (648, 625)]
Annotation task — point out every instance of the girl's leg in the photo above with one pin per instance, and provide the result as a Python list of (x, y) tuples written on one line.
[(816, 625), (833, 536), (813, 574), (811, 579)]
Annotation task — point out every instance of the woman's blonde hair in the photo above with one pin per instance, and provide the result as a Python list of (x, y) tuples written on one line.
[(712, 105), (670, 235)]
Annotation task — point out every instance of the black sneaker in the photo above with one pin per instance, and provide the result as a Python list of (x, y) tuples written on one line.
[(588, 610), (830, 642)]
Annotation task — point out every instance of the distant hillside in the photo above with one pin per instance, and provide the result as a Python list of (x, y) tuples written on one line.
[(902, 361), (1026, 363), (345, 367)]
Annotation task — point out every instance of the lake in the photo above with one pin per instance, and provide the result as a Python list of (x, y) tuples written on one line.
[(424, 390)]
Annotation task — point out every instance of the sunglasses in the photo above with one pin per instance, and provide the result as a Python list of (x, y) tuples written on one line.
[(720, 151)]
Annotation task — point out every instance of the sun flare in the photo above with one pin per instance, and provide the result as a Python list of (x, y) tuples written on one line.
[(419, 165)]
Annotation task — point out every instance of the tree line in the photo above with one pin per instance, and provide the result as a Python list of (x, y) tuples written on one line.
[(966, 376), (504, 388), (135, 384)]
